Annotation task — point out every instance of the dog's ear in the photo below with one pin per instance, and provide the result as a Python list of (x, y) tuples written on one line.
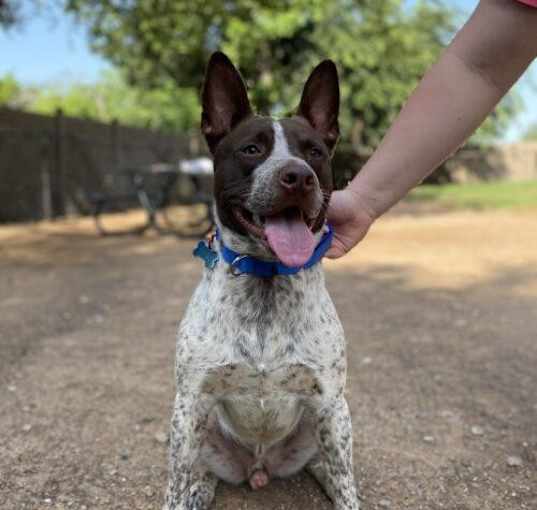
[(319, 104), (224, 99)]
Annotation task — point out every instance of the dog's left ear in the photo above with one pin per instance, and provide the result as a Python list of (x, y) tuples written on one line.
[(224, 98), (319, 104)]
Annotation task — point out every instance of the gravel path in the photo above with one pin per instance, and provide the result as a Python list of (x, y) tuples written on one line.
[(440, 312)]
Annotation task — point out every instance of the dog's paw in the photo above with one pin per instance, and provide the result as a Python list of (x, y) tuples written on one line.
[(197, 497)]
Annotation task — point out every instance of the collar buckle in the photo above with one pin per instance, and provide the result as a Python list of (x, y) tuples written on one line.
[(233, 267)]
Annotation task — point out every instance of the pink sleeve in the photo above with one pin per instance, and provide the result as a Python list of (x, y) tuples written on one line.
[(533, 3)]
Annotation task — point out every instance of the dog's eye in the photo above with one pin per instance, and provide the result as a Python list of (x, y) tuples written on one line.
[(251, 150), (315, 152)]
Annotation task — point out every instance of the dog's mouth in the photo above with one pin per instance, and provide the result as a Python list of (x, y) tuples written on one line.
[(288, 233)]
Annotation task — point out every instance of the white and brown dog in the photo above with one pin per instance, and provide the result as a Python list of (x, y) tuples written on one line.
[(261, 361)]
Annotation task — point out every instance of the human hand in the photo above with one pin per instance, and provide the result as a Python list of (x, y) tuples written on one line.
[(350, 220)]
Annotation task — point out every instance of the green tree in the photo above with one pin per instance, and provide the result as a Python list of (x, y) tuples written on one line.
[(10, 91), (166, 108), (14, 12), (382, 48), (8, 13)]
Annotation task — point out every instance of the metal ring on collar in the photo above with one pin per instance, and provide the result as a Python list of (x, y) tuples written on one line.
[(234, 270)]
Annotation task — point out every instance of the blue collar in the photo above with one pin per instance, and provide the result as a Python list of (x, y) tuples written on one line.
[(245, 264)]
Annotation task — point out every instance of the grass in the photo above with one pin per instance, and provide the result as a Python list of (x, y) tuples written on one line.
[(482, 195)]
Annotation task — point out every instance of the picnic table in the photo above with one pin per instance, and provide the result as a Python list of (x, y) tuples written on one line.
[(156, 188)]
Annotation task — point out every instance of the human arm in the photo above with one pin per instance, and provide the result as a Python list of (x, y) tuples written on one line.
[(474, 72)]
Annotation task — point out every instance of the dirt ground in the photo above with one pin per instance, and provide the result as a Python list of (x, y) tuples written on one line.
[(440, 312)]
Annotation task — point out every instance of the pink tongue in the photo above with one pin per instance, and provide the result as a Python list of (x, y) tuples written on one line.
[(290, 239)]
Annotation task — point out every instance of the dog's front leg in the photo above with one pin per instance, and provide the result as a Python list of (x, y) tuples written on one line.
[(332, 466), (191, 486)]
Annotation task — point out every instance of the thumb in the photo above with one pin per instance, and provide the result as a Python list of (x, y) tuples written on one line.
[(336, 250), (334, 207)]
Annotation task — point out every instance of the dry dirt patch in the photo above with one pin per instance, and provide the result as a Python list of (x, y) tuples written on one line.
[(441, 318)]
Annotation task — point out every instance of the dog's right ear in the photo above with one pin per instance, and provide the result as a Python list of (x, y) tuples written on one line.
[(224, 99)]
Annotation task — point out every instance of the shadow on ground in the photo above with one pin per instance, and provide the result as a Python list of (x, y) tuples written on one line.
[(441, 378)]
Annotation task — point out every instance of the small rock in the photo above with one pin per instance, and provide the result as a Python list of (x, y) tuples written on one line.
[(367, 360), (514, 461), (161, 437), (47, 501), (428, 439), (11, 388), (385, 503), (148, 491), (84, 299), (26, 427), (113, 472), (477, 430)]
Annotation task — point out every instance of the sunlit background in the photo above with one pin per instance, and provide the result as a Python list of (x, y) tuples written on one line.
[(49, 49), (106, 187)]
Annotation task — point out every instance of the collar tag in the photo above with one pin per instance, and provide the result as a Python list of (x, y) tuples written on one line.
[(209, 257)]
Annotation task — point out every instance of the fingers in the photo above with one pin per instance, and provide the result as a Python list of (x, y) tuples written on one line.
[(337, 250), (334, 253)]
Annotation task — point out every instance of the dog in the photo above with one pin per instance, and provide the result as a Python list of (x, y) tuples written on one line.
[(261, 365)]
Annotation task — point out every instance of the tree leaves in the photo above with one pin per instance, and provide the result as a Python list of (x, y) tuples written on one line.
[(382, 48)]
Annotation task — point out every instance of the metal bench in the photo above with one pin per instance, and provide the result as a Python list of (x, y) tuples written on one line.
[(156, 189)]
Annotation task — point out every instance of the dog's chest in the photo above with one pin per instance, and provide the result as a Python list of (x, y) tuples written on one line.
[(248, 336), (260, 349), (261, 381), (261, 404)]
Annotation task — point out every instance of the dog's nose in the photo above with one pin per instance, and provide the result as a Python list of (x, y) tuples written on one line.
[(297, 179)]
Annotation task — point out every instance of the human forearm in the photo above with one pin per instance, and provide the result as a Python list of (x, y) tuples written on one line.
[(452, 100)]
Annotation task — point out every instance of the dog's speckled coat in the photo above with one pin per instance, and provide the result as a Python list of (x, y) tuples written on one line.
[(261, 372)]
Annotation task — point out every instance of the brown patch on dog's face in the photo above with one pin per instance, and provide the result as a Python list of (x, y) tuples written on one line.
[(235, 161), (266, 168)]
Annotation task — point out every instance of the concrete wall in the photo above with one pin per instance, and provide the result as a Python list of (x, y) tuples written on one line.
[(515, 162), (520, 160)]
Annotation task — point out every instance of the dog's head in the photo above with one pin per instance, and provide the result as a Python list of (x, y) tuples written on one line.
[(273, 178)]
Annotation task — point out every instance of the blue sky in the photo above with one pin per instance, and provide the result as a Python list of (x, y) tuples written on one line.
[(53, 48)]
